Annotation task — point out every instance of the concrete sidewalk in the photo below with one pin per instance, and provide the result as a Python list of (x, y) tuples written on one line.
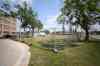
[(13, 53)]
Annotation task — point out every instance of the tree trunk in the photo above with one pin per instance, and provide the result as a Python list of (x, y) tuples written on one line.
[(24, 33), (32, 32), (63, 28), (86, 34), (20, 34), (70, 28), (38, 30), (24, 29)]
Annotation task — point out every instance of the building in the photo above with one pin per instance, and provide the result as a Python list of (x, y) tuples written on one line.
[(7, 26)]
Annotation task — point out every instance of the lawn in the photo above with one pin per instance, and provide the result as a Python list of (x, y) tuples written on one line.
[(42, 57), (86, 54)]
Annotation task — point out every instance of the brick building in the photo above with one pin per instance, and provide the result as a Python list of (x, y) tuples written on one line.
[(7, 26)]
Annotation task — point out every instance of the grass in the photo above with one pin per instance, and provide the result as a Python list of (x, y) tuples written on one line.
[(84, 55), (87, 54), (43, 57)]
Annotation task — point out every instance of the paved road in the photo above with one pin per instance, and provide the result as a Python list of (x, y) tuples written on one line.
[(13, 53)]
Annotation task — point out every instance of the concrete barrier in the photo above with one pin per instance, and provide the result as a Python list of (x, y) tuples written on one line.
[(13, 53)]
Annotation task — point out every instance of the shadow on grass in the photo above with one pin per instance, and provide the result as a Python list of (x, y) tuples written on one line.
[(49, 46), (94, 41), (59, 46)]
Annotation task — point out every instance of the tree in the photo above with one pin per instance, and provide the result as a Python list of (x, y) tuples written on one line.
[(6, 5), (28, 18), (61, 20), (13, 14), (39, 25), (47, 31), (6, 9), (2, 13), (24, 15), (82, 10)]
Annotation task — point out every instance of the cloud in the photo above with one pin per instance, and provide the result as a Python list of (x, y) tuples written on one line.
[(51, 23), (52, 18)]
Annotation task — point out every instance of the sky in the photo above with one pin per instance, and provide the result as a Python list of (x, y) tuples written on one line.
[(48, 11)]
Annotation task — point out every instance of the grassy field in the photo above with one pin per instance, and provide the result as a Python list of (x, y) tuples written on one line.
[(86, 54), (42, 57)]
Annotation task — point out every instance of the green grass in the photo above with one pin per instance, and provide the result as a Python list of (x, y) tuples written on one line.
[(43, 57), (87, 54), (84, 55)]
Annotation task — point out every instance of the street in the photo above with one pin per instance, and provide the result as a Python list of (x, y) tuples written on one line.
[(13, 53)]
